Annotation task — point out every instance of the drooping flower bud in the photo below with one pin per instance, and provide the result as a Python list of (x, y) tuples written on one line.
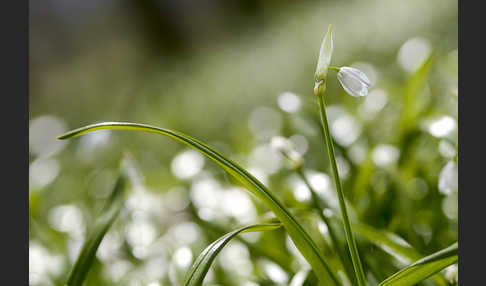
[(288, 150), (354, 81)]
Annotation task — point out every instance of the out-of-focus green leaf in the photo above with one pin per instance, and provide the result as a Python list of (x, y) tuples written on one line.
[(301, 238), (305, 277), (104, 221), (423, 268), (413, 103), (389, 242), (200, 268), (394, 245)]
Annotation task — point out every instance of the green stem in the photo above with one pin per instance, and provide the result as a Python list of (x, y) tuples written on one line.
[(318, 204), (353, 248), (334, 68)]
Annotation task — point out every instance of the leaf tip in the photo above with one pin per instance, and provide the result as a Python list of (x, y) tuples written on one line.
[(65, 136)]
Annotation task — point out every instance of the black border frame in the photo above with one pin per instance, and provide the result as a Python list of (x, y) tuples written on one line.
[(14, 216)]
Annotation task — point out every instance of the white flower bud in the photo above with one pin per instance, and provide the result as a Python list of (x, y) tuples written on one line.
[(288, 150), (354, 81), (325, 54)]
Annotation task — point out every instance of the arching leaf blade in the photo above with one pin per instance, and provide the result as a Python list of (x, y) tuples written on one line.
[(202, 264), (301, 238), (395, 246), (389, 242), (423, 268)]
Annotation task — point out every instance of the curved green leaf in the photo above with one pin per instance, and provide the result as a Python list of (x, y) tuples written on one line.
[(389, 242), (423, 268), (301, 238), (394, 245), (104, 221), (200, 268)]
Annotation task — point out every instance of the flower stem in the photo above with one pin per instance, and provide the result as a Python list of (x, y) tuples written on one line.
[(319, 205), (334, 68), (353, 248)]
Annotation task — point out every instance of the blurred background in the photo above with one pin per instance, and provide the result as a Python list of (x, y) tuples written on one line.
[(234, 74)]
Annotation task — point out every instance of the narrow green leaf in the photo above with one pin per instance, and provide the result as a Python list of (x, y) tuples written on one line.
[(338, 249), (200, 268), (414, 102), (104, 221), (325, 54), (305, 277), (393, 245), (301, 238), (423, 268), (273, 255), (389, 242)]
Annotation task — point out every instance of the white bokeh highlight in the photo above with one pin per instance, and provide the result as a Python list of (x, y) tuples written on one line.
[(187, 164), (289, 102), (413, 53)]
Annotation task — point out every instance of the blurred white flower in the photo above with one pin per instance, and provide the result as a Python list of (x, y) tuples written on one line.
[(42, 135), (385, 154), (451, 273), (354, 81), (288, 150), (448, 178), (43, 264), (442, 127), (274, 272), (67, 218), (182, 257), (187, 164), (413, 53), (42, 172), (299, 278), (266, 158), (289, 102)]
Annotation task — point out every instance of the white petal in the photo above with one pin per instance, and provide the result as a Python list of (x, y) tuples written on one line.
[(359, 75), (353, 81)]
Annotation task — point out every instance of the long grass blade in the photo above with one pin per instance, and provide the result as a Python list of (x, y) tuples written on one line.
[(395, 246), (301, 238), (104, 221), (423, 268), (389, 242), (319, 204), (200, 268), (413, 102)]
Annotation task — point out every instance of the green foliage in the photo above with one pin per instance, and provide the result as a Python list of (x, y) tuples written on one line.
[(394, 245), (200, 268), (319, 92), (301, 239), (423, 268), (238, 89), (103, 222)]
